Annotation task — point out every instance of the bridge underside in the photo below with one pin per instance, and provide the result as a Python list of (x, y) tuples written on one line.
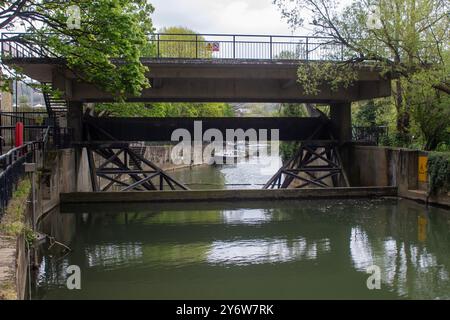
[(196, 80)]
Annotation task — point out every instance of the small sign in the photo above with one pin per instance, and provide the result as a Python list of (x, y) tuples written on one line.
[(213, 46), (423, 169)]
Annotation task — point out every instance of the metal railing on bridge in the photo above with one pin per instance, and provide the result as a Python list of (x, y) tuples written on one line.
[(374, 135), (204, 46)]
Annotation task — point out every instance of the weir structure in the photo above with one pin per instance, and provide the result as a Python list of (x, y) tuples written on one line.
[(209, 68)]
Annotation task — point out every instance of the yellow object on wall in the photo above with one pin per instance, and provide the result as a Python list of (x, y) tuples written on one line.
[(423, 169), (422, 228)]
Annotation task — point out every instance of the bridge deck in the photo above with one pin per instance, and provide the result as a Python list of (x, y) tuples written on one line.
[(210, 68)]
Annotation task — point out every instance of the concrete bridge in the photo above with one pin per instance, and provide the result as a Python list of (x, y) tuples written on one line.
[(212, 68)]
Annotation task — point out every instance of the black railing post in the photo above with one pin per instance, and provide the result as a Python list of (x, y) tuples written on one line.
[(196, 46), (157, 41), (271, 50), (234, 47), (307, 48)]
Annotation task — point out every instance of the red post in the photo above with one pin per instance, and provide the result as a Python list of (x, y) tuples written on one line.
[(19, 134)]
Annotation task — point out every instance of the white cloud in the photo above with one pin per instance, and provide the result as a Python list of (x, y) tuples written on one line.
[(218, 16)]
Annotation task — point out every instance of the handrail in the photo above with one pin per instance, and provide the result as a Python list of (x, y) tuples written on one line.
[(208, 46), (14, 154)]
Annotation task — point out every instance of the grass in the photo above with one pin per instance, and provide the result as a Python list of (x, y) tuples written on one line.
[(12, 225), (8, 292), (13, 222)]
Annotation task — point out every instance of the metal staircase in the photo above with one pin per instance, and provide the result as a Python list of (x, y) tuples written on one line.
[(53, 103)]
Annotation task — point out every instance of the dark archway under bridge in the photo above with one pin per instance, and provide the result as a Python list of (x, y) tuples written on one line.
[(161, 129)]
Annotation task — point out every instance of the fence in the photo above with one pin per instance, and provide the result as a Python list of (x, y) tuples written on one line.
[(205, 46), (12, 166), (213, 46), (35, 123), (370, 134), (12, 162)]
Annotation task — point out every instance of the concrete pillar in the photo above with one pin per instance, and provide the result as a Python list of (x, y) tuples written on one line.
[(74, 119), (341, 119)]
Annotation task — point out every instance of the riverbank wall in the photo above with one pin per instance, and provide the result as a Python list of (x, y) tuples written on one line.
[(386, 166), (58, 172)]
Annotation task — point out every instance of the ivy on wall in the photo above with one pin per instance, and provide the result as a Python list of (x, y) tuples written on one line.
[(439, 173)]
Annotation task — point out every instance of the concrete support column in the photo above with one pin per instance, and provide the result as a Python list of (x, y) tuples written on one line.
[(341, 119), (74, 119)]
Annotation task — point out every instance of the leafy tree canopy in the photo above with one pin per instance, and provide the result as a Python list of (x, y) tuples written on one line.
[(181, 42), (409, 37), (108, 29), (166, 109)]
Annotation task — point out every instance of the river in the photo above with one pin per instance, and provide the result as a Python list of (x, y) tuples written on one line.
[(248, 250)]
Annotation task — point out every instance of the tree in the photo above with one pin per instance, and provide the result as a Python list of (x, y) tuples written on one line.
[(180, 42), (23, 102), (409, 38), (175, 42), (166, 109), (293, 110), (430, 110), (108, 29)]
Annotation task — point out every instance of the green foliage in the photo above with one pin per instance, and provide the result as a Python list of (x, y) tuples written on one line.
[(430, 110), (109, 29), (439, 173), (410, 43), (293, 110), (288, 150), (367, 115), (13, 221), (166, 109), (375, 112), (179, 42), (313, 75)]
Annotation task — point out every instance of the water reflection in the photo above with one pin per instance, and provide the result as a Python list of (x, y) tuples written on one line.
[(248, 173), (113, 255), (247, 216), (300, 248), (246, 252)]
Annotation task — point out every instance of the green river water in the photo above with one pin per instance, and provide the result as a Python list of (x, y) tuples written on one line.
[(257, 250), (315, 249)]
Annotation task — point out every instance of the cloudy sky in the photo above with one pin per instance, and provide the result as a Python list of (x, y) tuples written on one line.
[(221, 16)]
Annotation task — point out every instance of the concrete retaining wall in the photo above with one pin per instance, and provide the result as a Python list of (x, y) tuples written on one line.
[(384, 166), (226, 195), (65, 171)]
